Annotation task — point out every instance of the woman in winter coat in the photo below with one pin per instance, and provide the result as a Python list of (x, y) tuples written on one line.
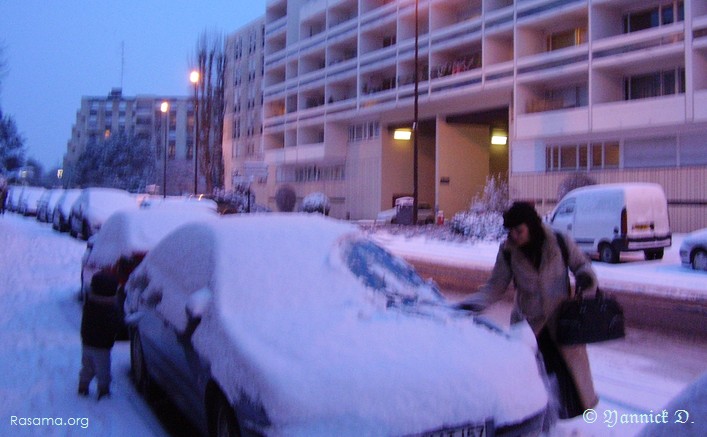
[(532, 258)]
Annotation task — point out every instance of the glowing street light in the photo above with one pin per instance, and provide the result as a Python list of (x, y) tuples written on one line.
[(164, 107), (194, 77)]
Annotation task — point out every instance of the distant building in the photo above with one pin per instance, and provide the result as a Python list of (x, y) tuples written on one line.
[(616, 89), (141, 117), (243, 121)]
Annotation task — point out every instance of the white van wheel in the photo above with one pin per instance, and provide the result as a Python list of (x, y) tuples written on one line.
[(608, 254), (699, 260)]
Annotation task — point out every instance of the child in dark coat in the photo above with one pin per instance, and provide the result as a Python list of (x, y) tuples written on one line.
[(100, 323)]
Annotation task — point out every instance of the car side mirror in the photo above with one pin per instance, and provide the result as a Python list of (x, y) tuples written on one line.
[(196, 307), (198, 303), (152, 297)]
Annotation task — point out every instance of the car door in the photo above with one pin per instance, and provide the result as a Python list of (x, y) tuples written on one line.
[(179, 364)]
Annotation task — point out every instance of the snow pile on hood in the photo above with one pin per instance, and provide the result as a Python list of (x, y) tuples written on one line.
[(293, 329)]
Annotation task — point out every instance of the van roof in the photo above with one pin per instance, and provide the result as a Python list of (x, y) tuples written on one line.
[(626, 187)]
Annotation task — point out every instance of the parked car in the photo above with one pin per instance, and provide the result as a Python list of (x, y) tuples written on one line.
[(608, 219), (94, 206), (298, 324), (693, 250), (27, 204), (47, 203), (402, 213), (62, 210), (13, 197), (127, 236)]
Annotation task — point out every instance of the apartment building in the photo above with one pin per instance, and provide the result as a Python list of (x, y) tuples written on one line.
[(243, 119), (171, 133), (613, 88)]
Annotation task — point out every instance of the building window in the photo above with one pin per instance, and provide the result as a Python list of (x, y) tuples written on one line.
[(567, 38), (364, 131), (172, 150), (662, 15), (310, 173), (662, 83), (572, 157), (236, 128)]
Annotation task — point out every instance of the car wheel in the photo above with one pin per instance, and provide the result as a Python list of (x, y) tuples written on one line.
[(653, 254), (608, 254), (225, 423), (138, 366), (699, 260)]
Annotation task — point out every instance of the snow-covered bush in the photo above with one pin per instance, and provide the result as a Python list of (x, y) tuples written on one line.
[(316, 202), (239, 200), (484, 219), (285, 198), (575, 180), (481, 225)]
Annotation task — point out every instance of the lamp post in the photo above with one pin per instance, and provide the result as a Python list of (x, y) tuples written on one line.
[(194, 78), (164, 107), (416, 78)]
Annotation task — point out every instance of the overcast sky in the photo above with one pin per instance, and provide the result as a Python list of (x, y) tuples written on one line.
[(57, 51)]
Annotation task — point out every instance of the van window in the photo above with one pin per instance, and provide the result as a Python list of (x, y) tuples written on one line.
[(565, 208)]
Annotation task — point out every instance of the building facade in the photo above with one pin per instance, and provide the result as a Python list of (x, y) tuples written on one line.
[(616, 89), (170, 133), (243, 119)]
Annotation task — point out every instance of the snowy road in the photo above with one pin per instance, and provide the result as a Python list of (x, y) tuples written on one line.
[(40, 347)]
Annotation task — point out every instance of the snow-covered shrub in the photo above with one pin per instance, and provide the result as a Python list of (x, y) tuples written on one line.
[(239, 200), (316, 202), (484, 219), (494, 197), (285, 198), (575, 180), (481, 225)]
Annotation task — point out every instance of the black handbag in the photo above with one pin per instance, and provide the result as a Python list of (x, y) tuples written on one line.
[(589, 320)]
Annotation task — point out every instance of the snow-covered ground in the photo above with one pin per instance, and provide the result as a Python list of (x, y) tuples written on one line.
[(40, 344)]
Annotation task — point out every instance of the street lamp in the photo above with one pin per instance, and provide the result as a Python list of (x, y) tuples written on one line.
[(416, 78), (164, 107), (194, 78)]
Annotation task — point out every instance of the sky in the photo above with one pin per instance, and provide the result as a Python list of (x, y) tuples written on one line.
[(58, 51), (40, 344)]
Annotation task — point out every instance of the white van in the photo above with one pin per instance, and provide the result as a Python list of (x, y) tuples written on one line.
[(612, 218)]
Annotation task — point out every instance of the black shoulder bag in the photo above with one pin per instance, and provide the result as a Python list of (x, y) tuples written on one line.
[(583, 320)]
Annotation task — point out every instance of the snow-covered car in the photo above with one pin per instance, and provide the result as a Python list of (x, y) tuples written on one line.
[(693, 250), (27, 204), (298, 324), (94, 206), (425, 213), (47, 203), (62, 210), (13, 197), (127, 236)]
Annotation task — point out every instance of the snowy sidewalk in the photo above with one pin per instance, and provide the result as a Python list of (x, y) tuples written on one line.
[(41, 346)]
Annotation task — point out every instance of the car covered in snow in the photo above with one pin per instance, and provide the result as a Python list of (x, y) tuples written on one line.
[(62, 210), (693, 250), (127, 236), (47, 203), (94, 206), (298, 324), (27, 204)]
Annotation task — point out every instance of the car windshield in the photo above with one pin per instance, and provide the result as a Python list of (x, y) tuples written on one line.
[(384, 273)]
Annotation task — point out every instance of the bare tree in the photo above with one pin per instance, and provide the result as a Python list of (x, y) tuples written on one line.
[(211, 64)]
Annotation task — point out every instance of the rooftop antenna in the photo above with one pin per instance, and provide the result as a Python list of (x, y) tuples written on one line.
[(122, 62)]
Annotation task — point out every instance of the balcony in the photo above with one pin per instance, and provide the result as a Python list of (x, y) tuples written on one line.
[(639, 113), (560, 122)]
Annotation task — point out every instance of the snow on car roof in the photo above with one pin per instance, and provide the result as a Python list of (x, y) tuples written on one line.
[(132, 231), (320, 344)]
